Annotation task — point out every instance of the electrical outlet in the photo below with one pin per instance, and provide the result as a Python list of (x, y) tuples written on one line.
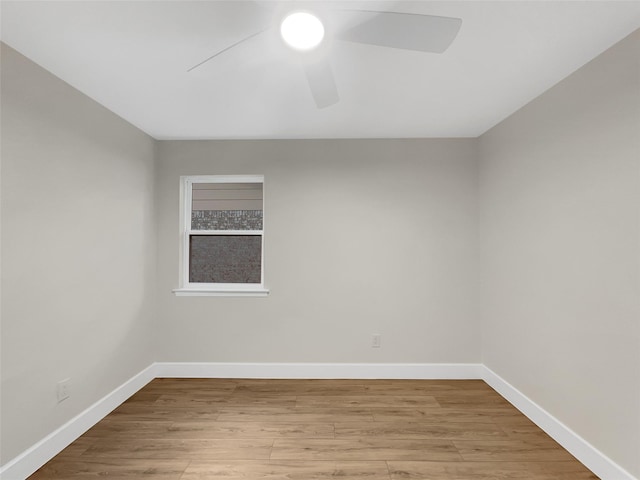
[(64, 389), (375, 340)]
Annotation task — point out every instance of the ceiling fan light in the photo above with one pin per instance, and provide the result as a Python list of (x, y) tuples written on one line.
[(302, 31)]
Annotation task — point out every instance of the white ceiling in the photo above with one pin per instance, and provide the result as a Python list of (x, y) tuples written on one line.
[(132, 57)]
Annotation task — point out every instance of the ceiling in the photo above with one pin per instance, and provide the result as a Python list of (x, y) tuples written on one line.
[(133, 57)]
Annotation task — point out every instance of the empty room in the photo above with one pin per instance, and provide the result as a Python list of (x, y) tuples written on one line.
[(381, 240)]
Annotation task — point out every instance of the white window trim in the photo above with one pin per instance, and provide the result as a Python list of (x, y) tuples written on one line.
[(213, 289)]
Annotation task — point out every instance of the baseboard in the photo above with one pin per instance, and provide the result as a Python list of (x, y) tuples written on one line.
[(34, 457), (432, 371), (587, 454)]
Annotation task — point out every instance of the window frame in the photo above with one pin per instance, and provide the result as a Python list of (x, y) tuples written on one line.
[(188, 288)]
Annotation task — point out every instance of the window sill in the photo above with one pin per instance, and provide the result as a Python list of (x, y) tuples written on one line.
[(220, 292)]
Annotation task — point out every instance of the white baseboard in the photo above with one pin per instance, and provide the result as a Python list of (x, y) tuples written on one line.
[(433, 371), (587, 454), (33, 458), (37, 455)]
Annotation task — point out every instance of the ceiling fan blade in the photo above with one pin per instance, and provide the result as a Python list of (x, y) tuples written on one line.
[(322, 83), (220, 52), (408, 31)]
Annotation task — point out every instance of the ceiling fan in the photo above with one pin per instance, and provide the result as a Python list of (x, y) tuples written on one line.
[(308, 35)]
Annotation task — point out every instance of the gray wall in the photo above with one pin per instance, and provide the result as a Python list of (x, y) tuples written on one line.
[(361, 237), (78, 253), (560, 213)]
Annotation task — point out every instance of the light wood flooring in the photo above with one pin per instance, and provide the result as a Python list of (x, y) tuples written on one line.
[(222, 429)]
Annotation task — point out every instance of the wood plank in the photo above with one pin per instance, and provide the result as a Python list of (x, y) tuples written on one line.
[(152, 413), (191, 386), (124, 469), (430, 390), (224, 400), (494, 410), (306, 389), (484, 399), (526, 432), (292, 414), (199, 429), (429, 415), (202, 449), (510, 451), (304, 383), (489, 471), (364, 449), (125, 427), (360, 401), (419, 430), (429, 387), (286, 470)]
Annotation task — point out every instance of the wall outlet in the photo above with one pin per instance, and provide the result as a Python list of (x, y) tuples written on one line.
[(64, 389), (375, 340)]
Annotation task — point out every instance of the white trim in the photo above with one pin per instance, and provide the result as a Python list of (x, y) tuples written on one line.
[(257, 291), (40, 453), (587, 454), (224, 178), (183, 227), (212, 233), (432, 371)]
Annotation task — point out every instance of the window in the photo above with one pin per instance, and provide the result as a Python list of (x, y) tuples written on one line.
[(222, 235)]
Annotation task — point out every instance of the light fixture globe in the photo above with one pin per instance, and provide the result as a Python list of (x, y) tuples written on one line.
[(302, 31)]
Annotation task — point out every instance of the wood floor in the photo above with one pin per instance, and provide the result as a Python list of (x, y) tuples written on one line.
[(196, 429)]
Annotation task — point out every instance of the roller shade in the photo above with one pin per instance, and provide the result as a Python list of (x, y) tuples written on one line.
[(226, 196)]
